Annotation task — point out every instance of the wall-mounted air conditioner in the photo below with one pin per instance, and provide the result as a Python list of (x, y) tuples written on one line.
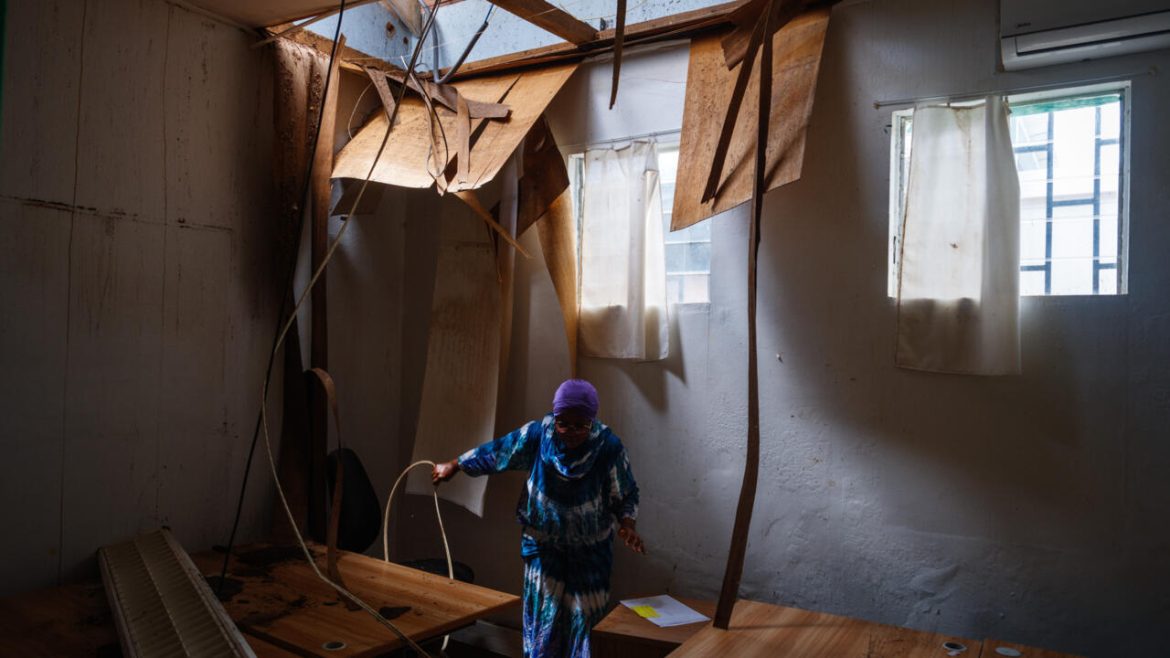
[(1045, 32)]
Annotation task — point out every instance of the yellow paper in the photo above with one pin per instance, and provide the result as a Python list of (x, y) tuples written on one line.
[(646, 611)]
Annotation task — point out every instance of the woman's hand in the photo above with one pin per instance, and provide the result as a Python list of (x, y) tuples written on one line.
[(631, 537), (445, 471)]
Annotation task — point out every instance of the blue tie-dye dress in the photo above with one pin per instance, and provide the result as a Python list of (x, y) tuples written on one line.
[(571, 504)]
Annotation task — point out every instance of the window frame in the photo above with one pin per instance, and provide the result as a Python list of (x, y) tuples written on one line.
[(900, 121), (575, 163)]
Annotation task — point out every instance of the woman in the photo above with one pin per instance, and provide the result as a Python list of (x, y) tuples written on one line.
[(579, 484)]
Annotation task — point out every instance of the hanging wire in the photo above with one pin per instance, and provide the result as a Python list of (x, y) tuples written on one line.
[(283, 298)]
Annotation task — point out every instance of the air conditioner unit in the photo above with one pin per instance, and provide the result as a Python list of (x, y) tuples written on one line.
[(1045, 32)]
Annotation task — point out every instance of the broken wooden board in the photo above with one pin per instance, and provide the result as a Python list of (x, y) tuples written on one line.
[(404, 162), (795, 62), (274, 596)]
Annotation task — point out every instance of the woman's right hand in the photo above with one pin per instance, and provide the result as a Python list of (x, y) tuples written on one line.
[(444, 471)]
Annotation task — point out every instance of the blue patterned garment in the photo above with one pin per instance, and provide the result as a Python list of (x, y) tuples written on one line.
[(568, 511)]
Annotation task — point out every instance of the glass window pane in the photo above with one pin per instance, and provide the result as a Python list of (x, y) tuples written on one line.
[(1107, 234), (1073, 149), (667, 165), (1032, 239), (1072, 237), (699, 257), (1107, 281), (1072, 276), (676, 258), (1110, 168), (694, 288), (1032, 282), (1029, 129), (1034, 179), (673, 290), (1111, 120)]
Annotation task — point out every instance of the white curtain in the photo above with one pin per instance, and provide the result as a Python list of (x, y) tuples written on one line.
[(958, 291), (623, 311)]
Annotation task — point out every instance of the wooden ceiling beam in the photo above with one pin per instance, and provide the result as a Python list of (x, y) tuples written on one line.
[(683, 24), (550, 18)]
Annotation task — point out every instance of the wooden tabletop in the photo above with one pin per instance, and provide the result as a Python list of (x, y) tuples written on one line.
[(760, 629), (275, 599), (625, 624)]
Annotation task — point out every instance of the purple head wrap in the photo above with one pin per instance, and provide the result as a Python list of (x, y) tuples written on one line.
[(576, 395)]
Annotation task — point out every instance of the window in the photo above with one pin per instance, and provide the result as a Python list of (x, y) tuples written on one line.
[(688, 251), (1071, 157)]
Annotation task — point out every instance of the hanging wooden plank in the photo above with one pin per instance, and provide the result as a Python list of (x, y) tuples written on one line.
[(544, 178), (747, 495), (557, 231), (795, 63), (549, 18), (321, 190), (619, 37), (296, 67)]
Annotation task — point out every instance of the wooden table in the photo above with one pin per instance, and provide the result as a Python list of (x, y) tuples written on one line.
[(282, 608), (623, 634), (763, 630)]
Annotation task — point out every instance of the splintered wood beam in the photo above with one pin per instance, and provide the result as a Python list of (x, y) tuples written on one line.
[(682, 24), (550, 18)]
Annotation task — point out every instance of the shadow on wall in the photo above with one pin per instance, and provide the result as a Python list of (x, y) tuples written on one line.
[(974, 504)]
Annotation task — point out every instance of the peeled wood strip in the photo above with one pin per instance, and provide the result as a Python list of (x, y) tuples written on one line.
[(747, 495), (463, 140), (448, 96), (378, 78), (619, 37), (472, 200), (544, 177), (558, 241)]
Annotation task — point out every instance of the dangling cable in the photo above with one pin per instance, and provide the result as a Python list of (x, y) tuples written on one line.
[(283, 333), (438, 515), (287, 286), (466, 51)]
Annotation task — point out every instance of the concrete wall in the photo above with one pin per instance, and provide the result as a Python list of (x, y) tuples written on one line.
[(137, 281), (1023, 508)]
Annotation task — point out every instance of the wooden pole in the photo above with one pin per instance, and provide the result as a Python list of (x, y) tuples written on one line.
[(747, 494)]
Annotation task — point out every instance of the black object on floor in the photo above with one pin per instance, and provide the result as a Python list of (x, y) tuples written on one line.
[(361, 513)]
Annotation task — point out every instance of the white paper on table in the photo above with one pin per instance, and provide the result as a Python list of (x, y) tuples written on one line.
[(664, 611)]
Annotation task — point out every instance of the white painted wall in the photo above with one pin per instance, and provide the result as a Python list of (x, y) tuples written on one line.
[(1024, 508), (137, 280)]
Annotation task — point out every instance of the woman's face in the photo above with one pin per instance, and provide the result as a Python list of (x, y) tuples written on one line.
[(573, 428)]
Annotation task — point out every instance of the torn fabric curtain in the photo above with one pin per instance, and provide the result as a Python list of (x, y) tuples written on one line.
[(958, 288), (623, 312)]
